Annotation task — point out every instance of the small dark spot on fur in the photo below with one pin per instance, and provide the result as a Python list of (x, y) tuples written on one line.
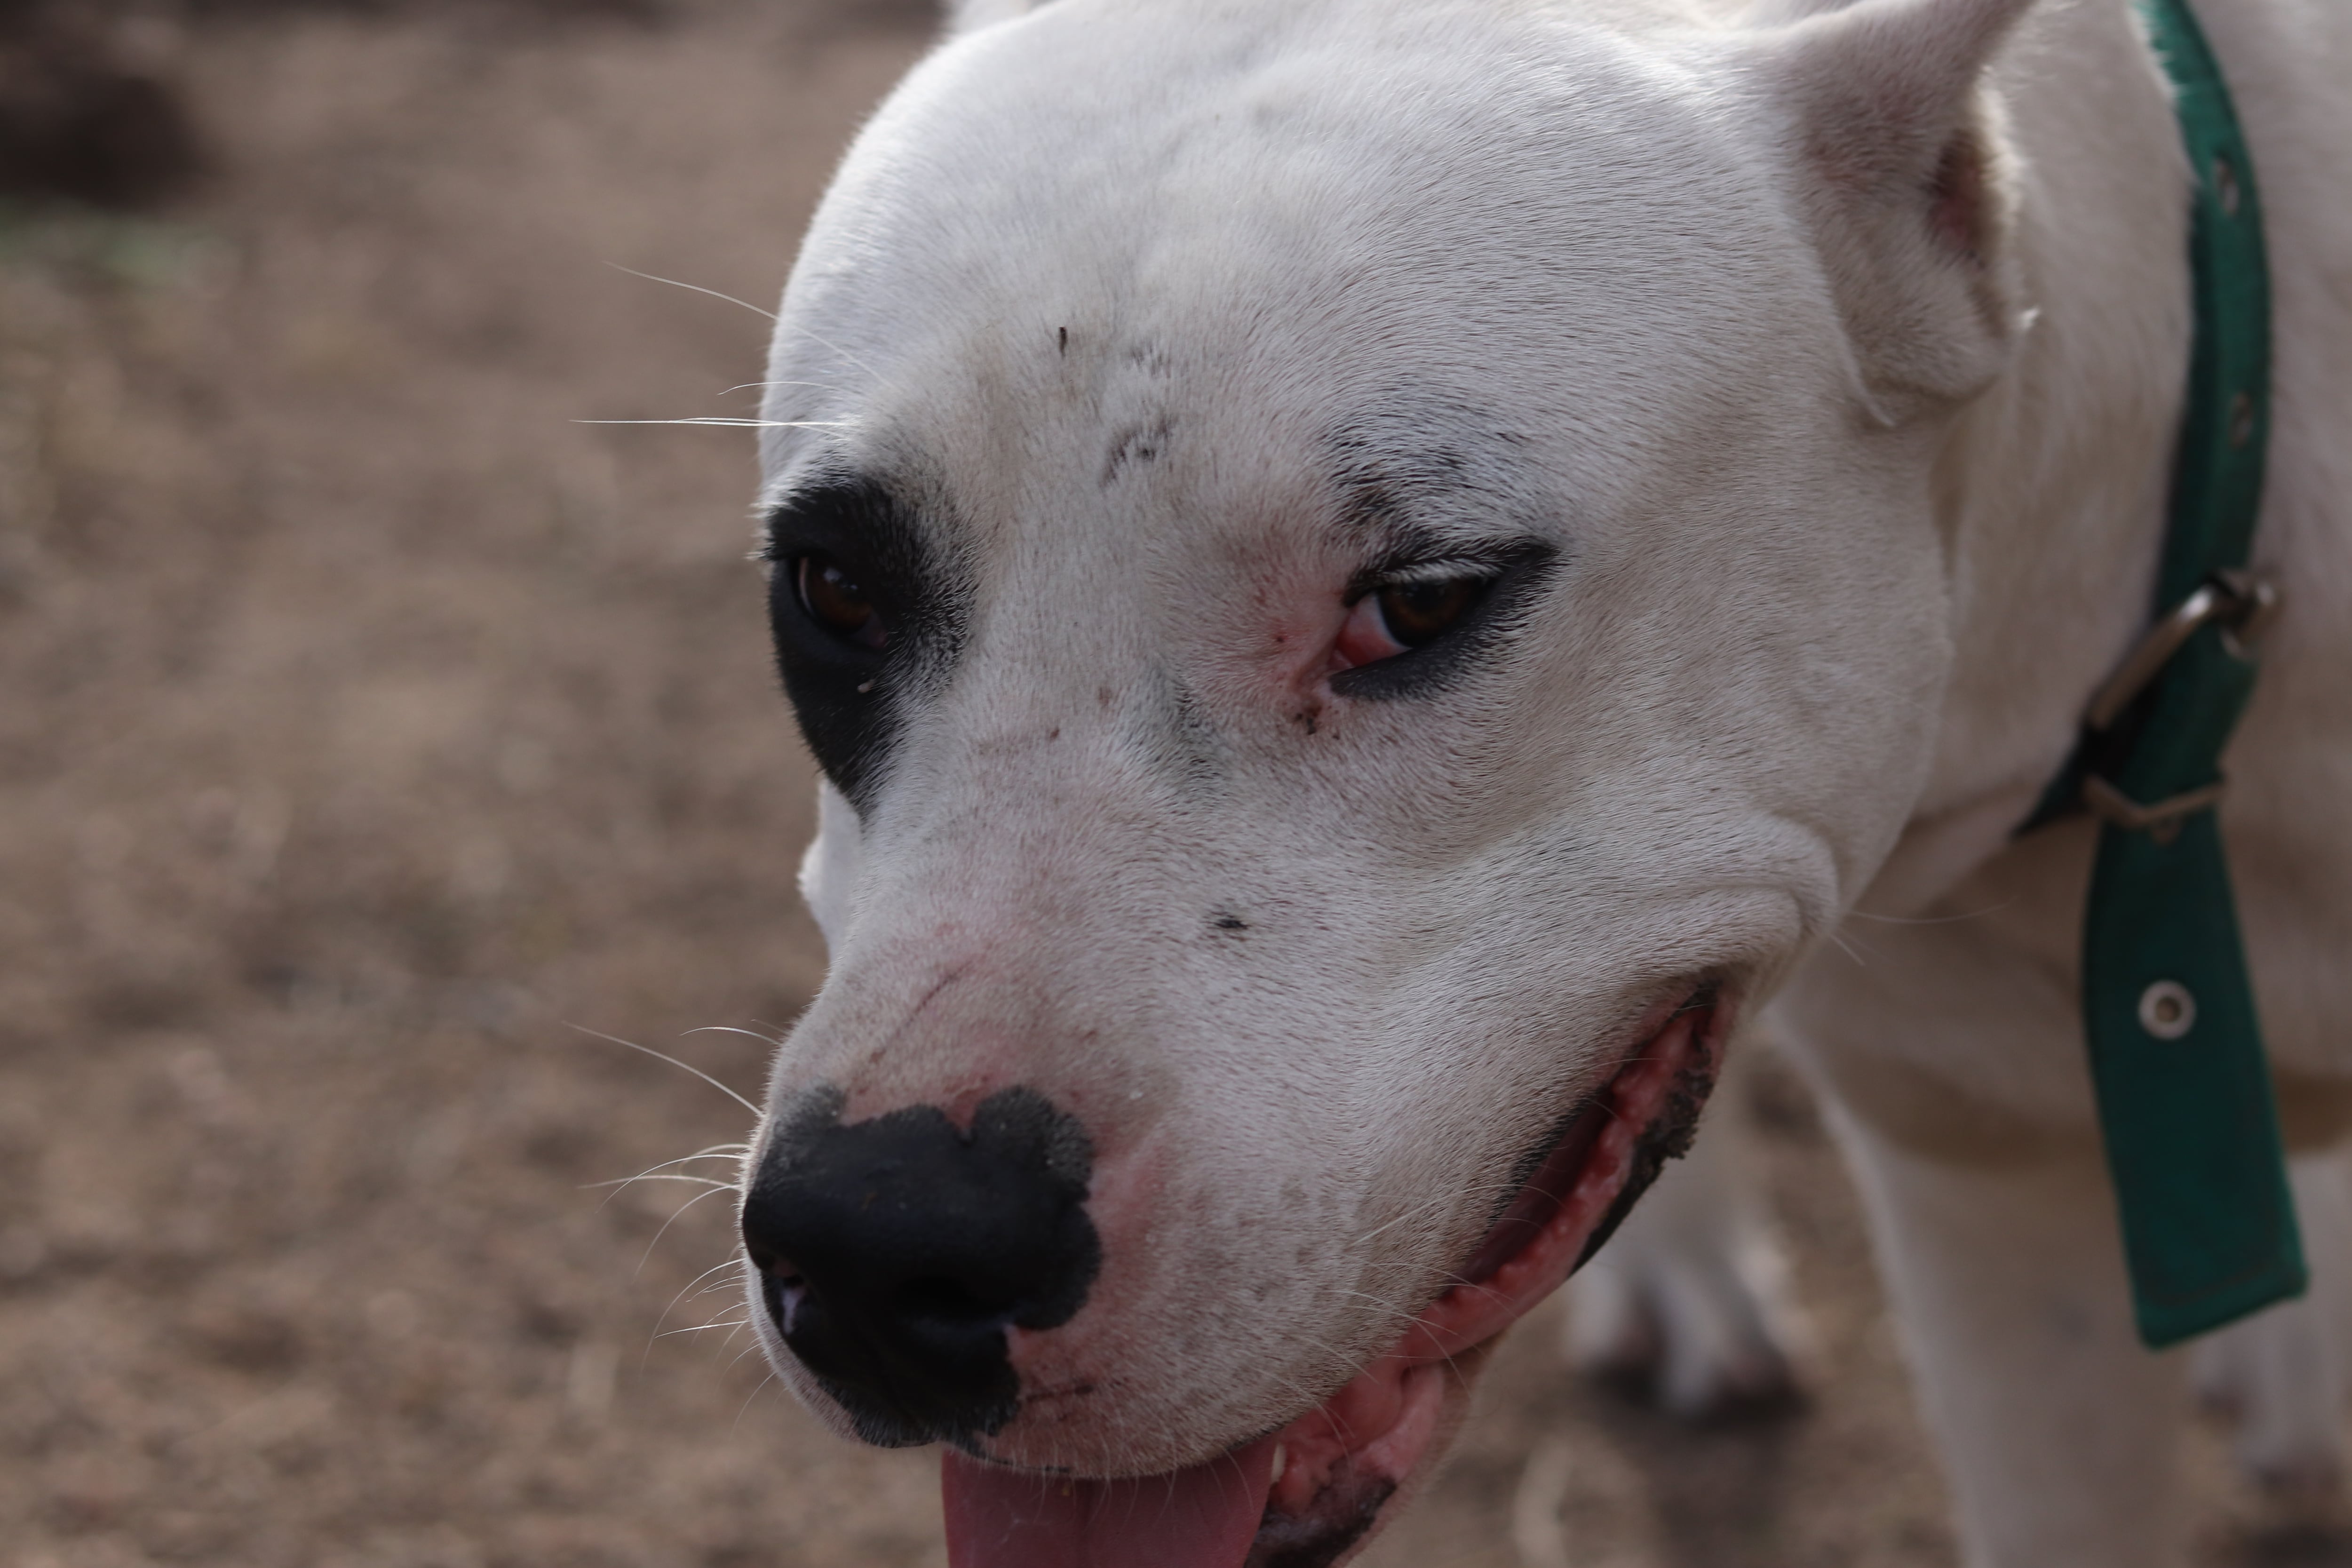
[(1227, 921), (1183, 740), (1062, 338), (1139, 446)]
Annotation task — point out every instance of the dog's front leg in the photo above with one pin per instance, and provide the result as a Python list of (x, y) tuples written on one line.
[(2058, 1426)]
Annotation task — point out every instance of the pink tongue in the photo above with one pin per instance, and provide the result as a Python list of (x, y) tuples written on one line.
[(1204, 1517)]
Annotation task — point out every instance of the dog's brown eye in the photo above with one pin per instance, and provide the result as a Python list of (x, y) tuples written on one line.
[(834, 600), (1418, 613), (1402, 616)]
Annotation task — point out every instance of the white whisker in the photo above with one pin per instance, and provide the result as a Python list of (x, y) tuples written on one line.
[(648, 1050), (693, 288), (1387, 1306), (652, 1176), (728, 1262), (731, 1030), (1928, 920), (726, 422), (763, 386), (681, 1208), (755, 1394), (829, 346), (716, 1152), (701, 1328)]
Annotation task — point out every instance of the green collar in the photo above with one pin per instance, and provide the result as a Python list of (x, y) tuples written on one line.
[(2182, 1083)]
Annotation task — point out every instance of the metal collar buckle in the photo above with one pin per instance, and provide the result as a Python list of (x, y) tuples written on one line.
[(2242, 605), (2161, 821)]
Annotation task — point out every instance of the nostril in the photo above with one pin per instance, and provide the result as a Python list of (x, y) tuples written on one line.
[(780, 1286)]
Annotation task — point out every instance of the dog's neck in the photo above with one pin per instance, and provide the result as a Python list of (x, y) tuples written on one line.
[(2051, 484)]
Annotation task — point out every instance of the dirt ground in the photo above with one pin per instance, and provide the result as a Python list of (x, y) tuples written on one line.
[(375, 736)]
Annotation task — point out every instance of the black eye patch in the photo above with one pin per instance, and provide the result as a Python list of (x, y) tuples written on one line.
[(863, 611)]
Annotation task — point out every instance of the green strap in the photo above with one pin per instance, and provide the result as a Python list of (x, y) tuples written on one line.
[(2183, 1086)]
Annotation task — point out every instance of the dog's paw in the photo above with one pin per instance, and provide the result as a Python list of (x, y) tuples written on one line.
[(1687, 1306), (1705, 1344), (2276, 1377), (2282, 1376)]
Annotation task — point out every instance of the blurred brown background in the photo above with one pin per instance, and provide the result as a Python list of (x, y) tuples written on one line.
[(370, 726)]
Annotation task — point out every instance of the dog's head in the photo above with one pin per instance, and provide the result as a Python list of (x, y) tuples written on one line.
[(1362, 576)]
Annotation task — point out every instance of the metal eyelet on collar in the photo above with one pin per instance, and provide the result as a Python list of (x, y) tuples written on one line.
[(2167, 1010)]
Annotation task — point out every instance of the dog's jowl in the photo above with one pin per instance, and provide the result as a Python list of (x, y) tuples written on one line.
[(1369, 580)]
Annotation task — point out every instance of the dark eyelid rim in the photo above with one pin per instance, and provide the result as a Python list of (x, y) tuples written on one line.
[(838, 511), (1521, 568), (1437, 559)]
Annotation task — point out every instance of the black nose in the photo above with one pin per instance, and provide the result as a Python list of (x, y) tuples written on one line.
[(893, 1253)]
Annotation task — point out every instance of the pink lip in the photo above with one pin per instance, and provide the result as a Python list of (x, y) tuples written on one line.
[(1316, 1486)]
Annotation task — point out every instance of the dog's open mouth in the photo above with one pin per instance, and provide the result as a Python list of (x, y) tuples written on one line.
[(1302, 1497)]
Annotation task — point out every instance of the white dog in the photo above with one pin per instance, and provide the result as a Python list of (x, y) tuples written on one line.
[(1368, 576)]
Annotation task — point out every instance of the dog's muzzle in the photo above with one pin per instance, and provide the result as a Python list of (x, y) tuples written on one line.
[(894, 1253)]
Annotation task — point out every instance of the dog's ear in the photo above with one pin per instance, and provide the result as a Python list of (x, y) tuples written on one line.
[(1902, 177)]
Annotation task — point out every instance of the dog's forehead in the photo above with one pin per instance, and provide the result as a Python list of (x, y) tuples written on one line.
[(1282, 227)]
